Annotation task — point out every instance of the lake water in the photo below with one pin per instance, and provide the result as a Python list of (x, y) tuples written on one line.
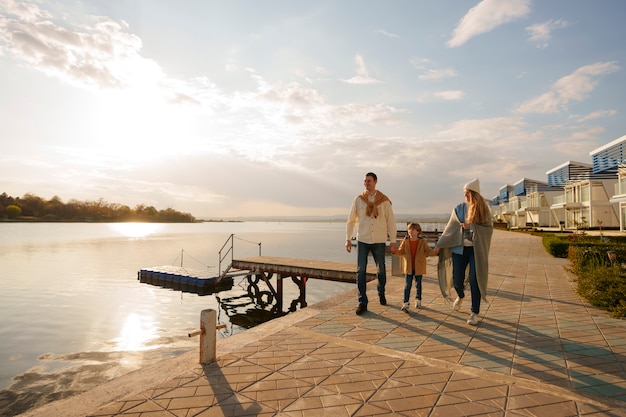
[(73, 313)]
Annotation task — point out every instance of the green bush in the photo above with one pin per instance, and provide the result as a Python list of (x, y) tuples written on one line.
[(601, 278), (13, 211), (604, 287), (556, 245), (583, 256)]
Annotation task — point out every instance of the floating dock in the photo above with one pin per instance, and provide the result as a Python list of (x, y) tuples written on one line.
[(197, 281)]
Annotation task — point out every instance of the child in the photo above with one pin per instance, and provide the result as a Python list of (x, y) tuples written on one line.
[(414, 250)]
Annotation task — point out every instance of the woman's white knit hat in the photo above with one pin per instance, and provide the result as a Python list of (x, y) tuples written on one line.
[(473, 185)]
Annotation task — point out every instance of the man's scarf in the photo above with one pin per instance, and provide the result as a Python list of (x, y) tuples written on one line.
[(372, 207)]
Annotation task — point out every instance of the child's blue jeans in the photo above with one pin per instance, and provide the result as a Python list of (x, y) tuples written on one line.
[(407, 287)]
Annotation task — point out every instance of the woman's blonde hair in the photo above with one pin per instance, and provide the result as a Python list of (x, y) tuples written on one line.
[(478, 211)]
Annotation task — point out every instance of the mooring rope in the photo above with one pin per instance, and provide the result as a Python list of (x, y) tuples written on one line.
[(182, 251), (249, 241)]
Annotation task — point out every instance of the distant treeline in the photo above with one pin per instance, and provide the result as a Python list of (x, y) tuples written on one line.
[(30, 207)]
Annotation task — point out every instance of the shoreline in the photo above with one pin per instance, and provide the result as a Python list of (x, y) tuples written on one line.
[(136, 381)]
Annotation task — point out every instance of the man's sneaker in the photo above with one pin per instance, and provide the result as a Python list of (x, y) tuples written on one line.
[(473, 319), (405, 307), (418, 303), (382, 299), (362, 308), (457, 304)]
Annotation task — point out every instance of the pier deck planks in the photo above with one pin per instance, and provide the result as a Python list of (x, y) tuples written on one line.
[(285, 267)]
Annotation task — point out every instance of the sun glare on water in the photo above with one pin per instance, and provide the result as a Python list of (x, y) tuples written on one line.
[(136, 333), (135, 230)]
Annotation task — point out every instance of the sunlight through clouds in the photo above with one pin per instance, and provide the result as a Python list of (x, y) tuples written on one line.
[(217, 109)]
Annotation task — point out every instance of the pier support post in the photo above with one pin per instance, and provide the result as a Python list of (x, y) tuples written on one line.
[(279, 290), (208, 321)]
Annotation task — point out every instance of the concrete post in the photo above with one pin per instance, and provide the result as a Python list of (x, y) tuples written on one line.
[(208, 321)]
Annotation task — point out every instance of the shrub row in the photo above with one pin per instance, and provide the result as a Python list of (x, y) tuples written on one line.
[(599, 265)]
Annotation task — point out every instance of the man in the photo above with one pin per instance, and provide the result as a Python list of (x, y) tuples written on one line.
[(372, 217)]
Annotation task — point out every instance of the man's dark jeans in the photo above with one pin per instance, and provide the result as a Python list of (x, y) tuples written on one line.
[(378, 253)]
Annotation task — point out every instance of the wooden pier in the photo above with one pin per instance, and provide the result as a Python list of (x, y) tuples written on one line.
[(299, 270), (257, 268)]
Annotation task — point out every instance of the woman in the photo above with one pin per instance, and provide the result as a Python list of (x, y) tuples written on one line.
[(464, 248)]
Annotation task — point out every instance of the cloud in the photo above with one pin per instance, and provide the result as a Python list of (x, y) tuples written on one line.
[(362, 76), (573, 87), (428, 73), (102, 55), (435, 74), (449, 95), (307, 111), (388, 34), (93, 56), (577, 142), (28, 12), (493, 149), (486, 16), (541, 33), (490, 130), (597, 115)]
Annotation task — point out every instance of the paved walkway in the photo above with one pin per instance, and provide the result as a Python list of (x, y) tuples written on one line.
[(538, 350)]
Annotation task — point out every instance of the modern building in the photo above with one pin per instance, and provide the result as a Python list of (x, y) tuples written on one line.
[(500, 203), (610, 160), (566, 173), (586, 199), (534, 204)]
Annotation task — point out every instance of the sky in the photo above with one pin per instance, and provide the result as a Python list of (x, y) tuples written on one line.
[(279, 108)]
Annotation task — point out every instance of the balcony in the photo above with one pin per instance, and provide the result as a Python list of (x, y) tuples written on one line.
[(619, 189)]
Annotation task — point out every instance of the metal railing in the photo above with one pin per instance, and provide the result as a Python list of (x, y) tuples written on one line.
[(228, 249)]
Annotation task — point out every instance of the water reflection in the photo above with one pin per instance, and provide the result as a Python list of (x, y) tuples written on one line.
[(254, 303), (135, 229), (136, 333), (251, 308)]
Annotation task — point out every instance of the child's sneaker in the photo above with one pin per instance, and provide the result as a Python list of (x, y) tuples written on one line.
[(418, 303), (473, 319), (405, 307), (457, 304)]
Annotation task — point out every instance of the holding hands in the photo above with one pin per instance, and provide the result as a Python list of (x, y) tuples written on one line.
[(392, 247)]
